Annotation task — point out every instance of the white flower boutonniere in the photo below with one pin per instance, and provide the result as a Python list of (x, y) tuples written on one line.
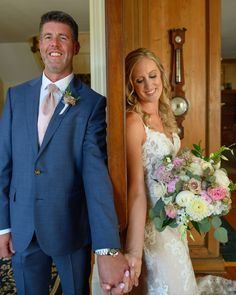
[(69, 100)]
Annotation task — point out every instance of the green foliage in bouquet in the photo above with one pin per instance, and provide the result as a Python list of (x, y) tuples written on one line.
[(193, 191)]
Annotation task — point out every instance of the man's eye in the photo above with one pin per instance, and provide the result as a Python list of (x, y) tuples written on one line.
[(63, 37)]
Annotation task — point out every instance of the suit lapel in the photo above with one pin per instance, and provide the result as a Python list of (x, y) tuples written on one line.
[(32, 105)]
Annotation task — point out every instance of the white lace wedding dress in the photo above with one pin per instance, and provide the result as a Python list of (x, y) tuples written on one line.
[(167, 268)]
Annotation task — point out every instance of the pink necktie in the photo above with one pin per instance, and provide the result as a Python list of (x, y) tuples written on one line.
[(46, 111)]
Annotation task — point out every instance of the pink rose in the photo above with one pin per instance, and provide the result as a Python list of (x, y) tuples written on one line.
[(217, 193), (171, 211)]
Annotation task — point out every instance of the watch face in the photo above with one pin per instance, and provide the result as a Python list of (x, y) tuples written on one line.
[(113, 252), (179, 105)]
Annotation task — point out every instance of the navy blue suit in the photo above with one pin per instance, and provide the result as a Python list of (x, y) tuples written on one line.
[(60, 191)]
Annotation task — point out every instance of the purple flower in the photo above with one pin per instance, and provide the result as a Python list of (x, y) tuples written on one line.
[(178, 162), (163, 174), (171, 185)]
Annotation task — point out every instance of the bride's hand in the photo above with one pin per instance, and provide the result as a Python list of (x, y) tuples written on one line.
[(135, 264)]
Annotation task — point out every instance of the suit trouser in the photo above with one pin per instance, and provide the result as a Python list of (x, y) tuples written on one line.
[(32, 271)]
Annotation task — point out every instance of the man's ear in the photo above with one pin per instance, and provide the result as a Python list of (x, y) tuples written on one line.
[(76, 48)]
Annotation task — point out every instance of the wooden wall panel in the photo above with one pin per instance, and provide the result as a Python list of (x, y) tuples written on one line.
[(157, 18)]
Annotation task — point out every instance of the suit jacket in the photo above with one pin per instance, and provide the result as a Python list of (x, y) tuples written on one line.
[(61, 190)]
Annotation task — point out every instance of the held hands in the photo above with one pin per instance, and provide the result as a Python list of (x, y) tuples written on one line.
[(135, 264), (119, 274), (114, 273), (130, 278), (6, 248)]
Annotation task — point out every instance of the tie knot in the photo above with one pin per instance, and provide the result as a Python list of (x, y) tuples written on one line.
[(52, 88)]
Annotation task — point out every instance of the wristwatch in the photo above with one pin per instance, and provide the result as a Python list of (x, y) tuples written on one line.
[(107, 251)]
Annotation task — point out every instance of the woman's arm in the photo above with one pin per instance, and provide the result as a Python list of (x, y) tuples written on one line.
[(137, 203)]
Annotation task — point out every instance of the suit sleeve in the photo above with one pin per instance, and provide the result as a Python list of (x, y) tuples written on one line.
[(97, 183), (5, 163)]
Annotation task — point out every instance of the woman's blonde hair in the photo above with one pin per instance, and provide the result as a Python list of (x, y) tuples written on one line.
[(132, 100)]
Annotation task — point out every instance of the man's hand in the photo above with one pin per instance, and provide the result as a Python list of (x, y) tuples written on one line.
[(111, 271), (6, 248)]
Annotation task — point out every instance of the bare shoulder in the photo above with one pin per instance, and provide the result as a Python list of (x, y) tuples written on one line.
[(133, 120), (135, 126)]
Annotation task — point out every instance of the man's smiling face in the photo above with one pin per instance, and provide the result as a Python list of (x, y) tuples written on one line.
[(57, 48)]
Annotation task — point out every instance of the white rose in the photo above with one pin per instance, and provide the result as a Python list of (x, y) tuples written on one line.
[(196, 169), (183, 198), (222, 178), (159, 189), (206, 165)]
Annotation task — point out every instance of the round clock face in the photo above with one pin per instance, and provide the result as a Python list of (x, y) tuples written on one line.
[(179, 105), (178, 39)]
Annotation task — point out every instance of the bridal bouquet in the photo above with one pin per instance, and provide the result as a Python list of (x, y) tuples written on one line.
[(194, 191)]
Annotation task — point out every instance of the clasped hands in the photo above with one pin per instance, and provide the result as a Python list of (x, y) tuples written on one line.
[(118, 274)]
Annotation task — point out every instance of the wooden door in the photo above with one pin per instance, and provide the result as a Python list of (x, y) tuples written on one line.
[(146, 23)]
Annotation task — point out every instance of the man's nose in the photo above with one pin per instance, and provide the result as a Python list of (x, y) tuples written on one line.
[(54, 41)]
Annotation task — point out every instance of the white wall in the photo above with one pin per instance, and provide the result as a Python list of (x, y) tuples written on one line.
[(19, 64)]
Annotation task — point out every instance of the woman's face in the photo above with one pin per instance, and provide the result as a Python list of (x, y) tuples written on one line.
[(146, 78)]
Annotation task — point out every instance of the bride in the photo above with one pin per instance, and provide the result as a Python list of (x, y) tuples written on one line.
[(160, 259)]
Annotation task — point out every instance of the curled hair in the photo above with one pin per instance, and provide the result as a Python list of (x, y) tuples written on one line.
[(132, 100), (60, 17)]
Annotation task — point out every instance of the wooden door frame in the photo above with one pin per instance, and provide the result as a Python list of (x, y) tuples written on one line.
[(116, 106)]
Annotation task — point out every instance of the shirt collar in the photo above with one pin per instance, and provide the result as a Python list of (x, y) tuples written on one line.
[(61, 84)]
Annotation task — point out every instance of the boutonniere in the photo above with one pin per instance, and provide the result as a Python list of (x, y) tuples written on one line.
[(68, 100)]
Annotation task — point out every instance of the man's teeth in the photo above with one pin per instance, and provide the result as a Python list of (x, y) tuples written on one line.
[(55, 54)]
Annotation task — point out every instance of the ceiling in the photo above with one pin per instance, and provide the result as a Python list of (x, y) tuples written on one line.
[(19, 19)]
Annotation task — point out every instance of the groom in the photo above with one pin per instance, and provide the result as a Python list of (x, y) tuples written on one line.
[(56, 198)]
